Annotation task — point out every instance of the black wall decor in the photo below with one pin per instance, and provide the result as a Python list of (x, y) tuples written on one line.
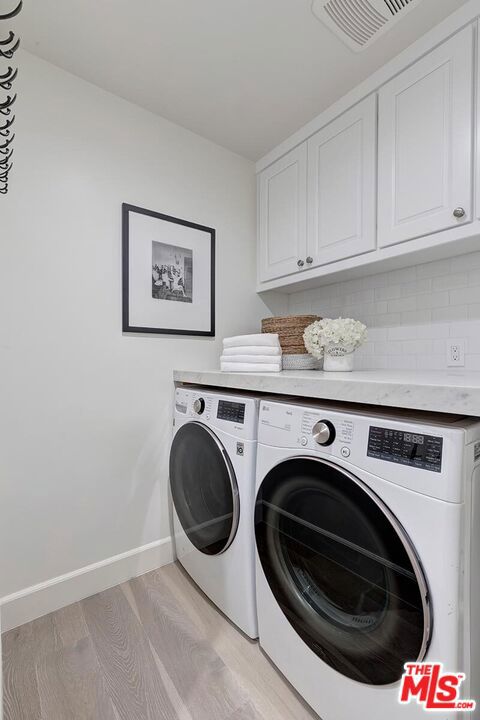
[(168, 274), (8, 47)]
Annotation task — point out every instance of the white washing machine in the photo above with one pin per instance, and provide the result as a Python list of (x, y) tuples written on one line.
[(368, 553), (212, 483)]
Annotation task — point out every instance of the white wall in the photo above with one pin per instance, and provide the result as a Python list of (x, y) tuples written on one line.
[(410, 312), (86, 411)]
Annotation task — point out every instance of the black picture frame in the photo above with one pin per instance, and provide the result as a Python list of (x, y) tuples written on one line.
[(126, 326)]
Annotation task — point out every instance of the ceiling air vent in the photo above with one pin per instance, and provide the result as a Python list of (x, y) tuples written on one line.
[(358, 23)]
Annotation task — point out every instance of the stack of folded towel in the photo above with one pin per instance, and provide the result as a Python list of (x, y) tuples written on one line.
[(252, 353)]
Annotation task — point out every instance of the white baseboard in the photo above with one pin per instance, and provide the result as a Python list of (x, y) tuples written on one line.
[(46, 597)]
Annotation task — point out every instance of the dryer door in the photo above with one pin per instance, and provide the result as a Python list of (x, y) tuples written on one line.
[(342, 569), (204, 488)]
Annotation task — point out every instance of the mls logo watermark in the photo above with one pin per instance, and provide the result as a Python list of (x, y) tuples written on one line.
[(430, 686)]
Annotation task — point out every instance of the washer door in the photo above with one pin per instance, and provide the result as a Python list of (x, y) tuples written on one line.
[(342, 570), (204, 488)]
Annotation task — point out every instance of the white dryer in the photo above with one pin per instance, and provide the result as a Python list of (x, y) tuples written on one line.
[(212, 483), (368, 544)]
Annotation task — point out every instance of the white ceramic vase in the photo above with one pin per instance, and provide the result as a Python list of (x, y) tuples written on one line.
[(338, 363)]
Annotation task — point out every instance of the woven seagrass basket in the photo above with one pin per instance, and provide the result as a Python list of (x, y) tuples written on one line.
[(290, 331)]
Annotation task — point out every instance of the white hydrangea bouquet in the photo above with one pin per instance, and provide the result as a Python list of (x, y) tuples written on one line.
[(335, 341)]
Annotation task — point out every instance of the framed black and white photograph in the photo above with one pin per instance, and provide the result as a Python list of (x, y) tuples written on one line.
[(168, 274)]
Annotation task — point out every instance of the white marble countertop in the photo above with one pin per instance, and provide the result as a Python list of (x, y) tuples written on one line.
[(446, 391)]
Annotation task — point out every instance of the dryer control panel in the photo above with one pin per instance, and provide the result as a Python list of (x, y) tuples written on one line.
[(407, 448)]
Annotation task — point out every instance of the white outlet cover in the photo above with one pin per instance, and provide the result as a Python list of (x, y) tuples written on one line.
[(456, 359)]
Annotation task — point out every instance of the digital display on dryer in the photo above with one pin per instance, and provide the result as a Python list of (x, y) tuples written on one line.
[(419, 451), (231, 411)]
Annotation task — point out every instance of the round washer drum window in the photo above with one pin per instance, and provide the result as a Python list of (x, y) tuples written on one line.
[(342, 570), (204, 488)]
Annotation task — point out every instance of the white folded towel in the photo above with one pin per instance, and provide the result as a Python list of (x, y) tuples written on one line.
[(254, 350), (250, 367), (262, 359), (262, 339)]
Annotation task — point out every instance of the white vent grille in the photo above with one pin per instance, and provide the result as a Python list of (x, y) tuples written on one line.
[(396, 5), (359, 22)]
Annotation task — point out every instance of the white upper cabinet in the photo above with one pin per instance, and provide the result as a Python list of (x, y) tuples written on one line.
[(392, 169), (342, 186), (425, 144), (282, 196)]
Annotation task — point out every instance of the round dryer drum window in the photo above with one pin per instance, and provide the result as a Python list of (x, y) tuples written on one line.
[(342, 570), (204, 488)]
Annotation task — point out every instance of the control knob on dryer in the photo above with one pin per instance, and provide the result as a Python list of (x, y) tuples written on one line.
[(323, 432), (199, 406)]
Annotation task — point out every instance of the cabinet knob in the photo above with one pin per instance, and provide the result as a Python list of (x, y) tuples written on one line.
[(309, 260), (459, 212), (300, 263)]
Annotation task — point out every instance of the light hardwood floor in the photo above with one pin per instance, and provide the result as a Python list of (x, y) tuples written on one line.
[(154, 648)]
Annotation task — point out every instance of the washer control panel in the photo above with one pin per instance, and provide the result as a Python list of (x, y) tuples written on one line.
[(234, 414), (231, 411), (407, 448)]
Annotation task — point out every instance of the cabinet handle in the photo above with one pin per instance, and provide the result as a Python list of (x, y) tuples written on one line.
[(459, 212), (309, 260), (300, 263)]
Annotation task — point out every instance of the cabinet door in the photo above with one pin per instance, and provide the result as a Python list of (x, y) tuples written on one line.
[(425, 144), (282, 215), (341, 186)]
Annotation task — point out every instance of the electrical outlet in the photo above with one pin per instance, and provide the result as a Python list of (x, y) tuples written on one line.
[(455, 353)]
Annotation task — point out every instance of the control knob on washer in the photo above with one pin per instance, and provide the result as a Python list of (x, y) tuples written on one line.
[(199, 406), (323, 432)]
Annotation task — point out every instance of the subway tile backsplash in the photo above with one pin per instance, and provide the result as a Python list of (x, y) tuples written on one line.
[(410, 313)]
